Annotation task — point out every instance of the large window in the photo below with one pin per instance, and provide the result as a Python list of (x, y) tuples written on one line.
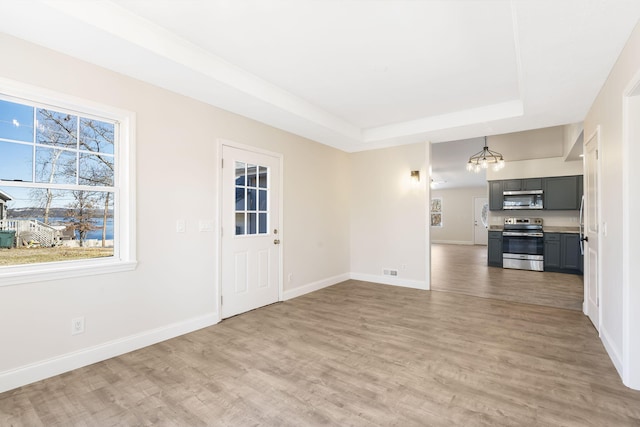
[(65, 186)]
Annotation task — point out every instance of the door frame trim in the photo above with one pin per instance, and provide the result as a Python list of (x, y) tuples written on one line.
[(596, 134), (221, 142), (630, 349)]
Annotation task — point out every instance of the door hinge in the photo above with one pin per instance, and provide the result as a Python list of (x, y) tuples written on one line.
[(221, 299), (597, 155), (222, 163)]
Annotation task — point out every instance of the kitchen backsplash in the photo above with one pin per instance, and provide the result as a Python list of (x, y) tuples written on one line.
[(549, 218)]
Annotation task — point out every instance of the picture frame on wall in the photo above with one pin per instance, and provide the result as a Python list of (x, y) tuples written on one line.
[(436, 212)]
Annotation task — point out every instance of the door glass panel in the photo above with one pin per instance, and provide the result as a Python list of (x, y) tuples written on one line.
[(252, 199), (240, 199), (251, 223), (252, 177), (240, 229), (240, 173), (262, 200), (262, 182), (262, 223)]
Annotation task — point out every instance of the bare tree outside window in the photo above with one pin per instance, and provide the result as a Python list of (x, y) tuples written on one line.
[(58, 176), (56, 132), (97, 168), (81, 214)]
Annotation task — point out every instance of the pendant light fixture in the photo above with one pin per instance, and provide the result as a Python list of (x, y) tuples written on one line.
[(484, 158)]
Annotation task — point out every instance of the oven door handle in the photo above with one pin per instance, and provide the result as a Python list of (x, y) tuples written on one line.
[(521, 234)]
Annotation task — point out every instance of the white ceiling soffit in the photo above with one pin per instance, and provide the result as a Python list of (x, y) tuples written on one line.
[(353, 74)]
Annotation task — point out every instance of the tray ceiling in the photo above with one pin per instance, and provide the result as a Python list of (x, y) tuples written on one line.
[(353, 74)]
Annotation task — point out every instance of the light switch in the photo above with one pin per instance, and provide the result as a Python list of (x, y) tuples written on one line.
[(181, 226), (205, 225)]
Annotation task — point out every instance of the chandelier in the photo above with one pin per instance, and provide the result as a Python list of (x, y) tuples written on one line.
[(484, 158)]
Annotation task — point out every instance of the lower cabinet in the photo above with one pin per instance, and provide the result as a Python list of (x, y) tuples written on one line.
[(562, 253), (494, 247)]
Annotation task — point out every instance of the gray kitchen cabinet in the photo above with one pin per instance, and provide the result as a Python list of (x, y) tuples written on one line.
[(526, 184), (551, 251), (562, 253), (562, 192), (495, 195), (512, 185), (571, 258), (494, 248), (532, 184)]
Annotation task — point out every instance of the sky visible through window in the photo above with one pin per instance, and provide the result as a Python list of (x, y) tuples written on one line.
[(66, 161)]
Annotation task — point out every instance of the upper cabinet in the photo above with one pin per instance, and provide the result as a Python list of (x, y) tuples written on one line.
[(560, 193), (522, 184), (495, 195), (563, 192)]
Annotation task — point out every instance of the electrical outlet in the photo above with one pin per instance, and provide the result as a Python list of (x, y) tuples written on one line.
[(77, 326), (290, 277)]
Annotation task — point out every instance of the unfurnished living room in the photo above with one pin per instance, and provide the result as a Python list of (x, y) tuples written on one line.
[(301, 213)]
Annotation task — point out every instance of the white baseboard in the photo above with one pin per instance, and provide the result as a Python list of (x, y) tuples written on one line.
[(311, 287), (67, 362), (389, 280), (453, 242), (613, 352)]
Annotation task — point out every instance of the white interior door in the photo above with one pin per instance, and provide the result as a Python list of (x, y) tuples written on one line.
[(250, 250), (480, 220), (591, 232)]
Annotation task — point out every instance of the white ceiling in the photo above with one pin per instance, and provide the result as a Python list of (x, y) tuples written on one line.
[(353, 74)]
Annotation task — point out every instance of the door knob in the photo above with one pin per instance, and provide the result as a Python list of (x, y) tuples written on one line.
[(276, 242)]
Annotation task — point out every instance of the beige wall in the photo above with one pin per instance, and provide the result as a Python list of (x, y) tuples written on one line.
[(388, 215), (555, 166), (530, 144), (620, 298), (535, 153), (457, 215), (173, 289)]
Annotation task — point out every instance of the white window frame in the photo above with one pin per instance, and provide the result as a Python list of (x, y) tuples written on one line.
[(124, 258)]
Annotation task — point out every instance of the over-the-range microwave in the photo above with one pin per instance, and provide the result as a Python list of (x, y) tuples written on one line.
[(528, 199)]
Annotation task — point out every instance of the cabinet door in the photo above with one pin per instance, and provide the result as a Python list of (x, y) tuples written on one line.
[(571, 258), (495, 195), (561, 193), (494, 248), (512, 185), (532, 184), (552, 258)]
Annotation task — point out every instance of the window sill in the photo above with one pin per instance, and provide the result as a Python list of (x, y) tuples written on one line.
[(15, 275)]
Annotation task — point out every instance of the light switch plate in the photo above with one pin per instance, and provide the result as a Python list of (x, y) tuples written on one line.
[(205, 225), (181, 226)]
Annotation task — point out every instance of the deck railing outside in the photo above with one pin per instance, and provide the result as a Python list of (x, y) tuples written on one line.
[(32, 232)]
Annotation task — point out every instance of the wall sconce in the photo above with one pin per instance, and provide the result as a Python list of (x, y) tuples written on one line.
[(415, 176)]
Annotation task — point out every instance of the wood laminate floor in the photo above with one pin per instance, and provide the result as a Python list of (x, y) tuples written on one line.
[(353, 354), (463, 269)]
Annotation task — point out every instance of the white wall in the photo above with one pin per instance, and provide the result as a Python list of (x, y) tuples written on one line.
[(389, 215), (457, 215), (173, 289), (620, 321)]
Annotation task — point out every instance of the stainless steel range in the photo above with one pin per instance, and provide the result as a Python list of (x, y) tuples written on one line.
[(523, 244)]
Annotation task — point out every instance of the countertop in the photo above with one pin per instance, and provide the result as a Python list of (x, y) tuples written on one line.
[(547, 229)]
